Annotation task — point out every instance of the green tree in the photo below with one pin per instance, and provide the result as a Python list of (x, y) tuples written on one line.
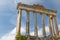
[(18, 36)]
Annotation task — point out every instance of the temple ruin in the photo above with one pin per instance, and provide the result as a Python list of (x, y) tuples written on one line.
[(36, 8)]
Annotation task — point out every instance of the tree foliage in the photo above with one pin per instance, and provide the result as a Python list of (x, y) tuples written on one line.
[(20, 37)]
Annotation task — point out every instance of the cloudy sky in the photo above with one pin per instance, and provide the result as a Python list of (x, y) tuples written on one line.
[(8, 16)]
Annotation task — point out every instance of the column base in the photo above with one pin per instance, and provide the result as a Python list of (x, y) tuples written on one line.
[(51, 38), (36, 38), (28, 37), (45, 38)]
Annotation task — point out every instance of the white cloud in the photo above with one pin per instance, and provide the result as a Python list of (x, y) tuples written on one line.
[(11, 35), (59, 27)]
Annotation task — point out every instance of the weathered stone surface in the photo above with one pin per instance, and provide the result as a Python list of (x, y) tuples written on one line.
[(41, 10)]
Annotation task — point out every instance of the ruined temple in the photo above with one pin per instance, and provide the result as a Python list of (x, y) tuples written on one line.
[(40, 9)]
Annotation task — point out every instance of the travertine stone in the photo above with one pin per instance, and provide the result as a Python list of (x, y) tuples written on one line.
[(36, 8), (43, 27), (50, 26), (27, 25), (56, 26), (35, 27), (18, 25)]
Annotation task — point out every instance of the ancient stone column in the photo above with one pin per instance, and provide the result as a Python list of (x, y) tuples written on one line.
[(18, 25), (53, 26), (50, 27), (27, 26), (43, 26), (56, 26), (35, 27)]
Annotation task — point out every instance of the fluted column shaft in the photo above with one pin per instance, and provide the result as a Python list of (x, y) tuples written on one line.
[(18, 25), (27, 25), (43, 26)]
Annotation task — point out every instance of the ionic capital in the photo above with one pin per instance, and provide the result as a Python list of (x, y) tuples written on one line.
[(50, 16)]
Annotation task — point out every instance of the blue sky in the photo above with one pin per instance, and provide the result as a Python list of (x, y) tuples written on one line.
[(8, 14)]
